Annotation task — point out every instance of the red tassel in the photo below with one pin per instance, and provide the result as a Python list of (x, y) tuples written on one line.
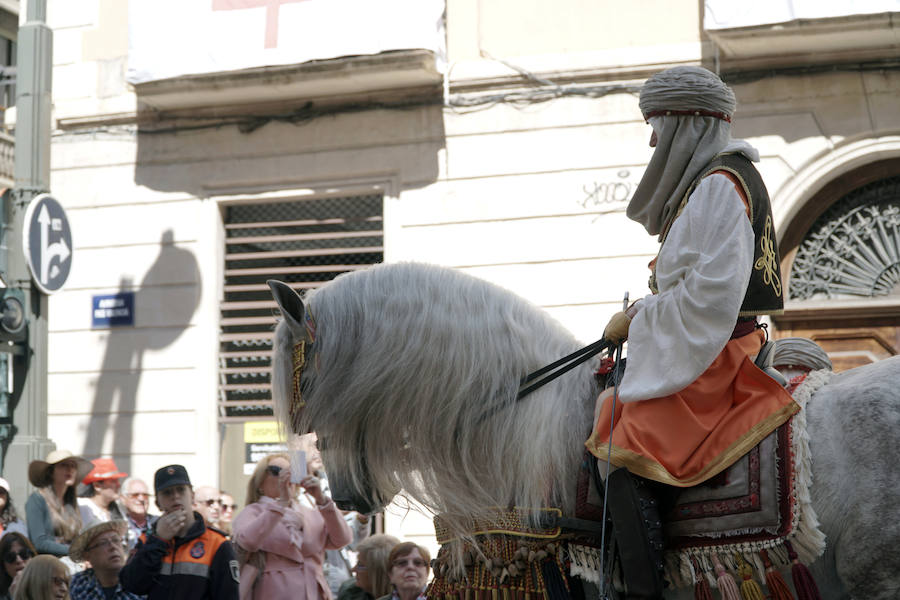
[(804, 584), (702, 591), (727, 586), (778, 587)]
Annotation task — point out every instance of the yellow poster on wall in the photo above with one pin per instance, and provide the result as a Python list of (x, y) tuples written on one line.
[(261, 438)]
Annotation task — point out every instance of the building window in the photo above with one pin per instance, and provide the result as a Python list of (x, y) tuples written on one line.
[(853, 249), (303, 242)]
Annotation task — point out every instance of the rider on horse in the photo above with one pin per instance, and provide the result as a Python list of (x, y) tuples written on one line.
[(691, 401)]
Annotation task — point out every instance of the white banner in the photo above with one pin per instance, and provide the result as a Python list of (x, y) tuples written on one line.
[(729, 14), (169, 38)]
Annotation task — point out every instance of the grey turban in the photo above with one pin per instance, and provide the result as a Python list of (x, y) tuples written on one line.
[(690, 110), (686, 89)]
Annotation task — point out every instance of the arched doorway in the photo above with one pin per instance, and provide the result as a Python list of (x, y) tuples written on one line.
[(842, 265)]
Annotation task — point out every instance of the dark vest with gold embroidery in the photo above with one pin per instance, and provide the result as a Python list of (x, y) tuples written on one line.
[(764, 293)]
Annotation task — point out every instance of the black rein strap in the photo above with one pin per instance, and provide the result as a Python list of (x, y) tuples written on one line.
[(561, 366)]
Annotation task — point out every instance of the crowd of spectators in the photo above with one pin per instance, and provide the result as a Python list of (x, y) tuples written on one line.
[(91, 533)]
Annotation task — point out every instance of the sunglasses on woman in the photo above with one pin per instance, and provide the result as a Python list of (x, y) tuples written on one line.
[(274, 470), (11, 556)]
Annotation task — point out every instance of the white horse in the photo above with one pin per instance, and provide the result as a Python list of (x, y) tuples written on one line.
[(410, 380)]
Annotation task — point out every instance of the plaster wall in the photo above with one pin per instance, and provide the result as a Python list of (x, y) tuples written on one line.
[(141, 394)]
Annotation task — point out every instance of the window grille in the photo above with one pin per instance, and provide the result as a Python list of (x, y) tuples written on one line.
[(305, 243), (853, 248)]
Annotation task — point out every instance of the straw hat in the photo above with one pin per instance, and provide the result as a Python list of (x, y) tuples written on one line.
[(37, 469), (93, 529)]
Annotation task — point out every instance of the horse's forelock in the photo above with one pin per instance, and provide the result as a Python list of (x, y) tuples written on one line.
[(410, 362), (282, 375)]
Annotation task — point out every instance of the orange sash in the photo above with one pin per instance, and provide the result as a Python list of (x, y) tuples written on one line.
[(685, 438)]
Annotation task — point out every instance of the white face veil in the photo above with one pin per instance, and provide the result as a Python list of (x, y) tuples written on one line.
[(690, 110)]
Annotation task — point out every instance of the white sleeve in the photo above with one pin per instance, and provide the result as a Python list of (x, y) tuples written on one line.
[(702, 275)]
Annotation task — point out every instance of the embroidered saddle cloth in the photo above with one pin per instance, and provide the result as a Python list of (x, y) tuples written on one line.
[(761, 502)]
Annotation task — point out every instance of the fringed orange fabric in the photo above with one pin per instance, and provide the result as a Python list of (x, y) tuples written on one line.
[(750, 590), (778, 587), (727, 586), (804, 584), (726, 411)]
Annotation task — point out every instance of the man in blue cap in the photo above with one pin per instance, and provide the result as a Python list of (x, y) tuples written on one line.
[(180, 557)]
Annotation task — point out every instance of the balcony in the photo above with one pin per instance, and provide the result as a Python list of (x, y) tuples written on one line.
[(407, 74), (781, 33)]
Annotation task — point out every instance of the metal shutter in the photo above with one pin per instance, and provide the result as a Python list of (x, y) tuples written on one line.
[(303, 242)]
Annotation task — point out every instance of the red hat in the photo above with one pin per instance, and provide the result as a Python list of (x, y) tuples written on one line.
[(104, 468)]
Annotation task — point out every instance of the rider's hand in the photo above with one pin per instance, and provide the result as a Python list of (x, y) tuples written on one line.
[(617, 328)]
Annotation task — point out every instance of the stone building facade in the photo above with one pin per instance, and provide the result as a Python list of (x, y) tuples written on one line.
[(506, 143)]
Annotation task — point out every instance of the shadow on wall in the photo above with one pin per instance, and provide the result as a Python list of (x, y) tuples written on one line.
[(174, 275)]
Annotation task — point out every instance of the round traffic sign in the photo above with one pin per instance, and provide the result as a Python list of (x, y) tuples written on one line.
[(47, 242)]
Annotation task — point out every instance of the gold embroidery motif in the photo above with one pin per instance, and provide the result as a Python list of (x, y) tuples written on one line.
[(767, 263), (297, 403)]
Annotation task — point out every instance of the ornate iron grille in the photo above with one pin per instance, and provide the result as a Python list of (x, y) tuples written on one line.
[(853, 249), (302, 242)]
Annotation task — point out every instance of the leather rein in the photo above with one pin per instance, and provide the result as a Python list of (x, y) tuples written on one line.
[(548, 373)]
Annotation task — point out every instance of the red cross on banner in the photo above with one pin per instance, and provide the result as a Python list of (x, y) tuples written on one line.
[(271, 7)]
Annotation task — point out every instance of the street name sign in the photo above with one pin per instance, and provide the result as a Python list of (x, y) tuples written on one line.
[(47, 242), (112, 310)]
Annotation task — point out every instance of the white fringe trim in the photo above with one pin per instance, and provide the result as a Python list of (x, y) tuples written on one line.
[(584, 562)]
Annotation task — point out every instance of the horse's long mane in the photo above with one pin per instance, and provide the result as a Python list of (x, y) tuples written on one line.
[(413, 375)]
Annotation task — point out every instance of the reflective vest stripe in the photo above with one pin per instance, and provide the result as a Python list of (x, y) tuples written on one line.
[(185, 568)]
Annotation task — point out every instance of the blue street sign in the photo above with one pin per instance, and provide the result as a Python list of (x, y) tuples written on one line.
[(112, 310), (47, 242)]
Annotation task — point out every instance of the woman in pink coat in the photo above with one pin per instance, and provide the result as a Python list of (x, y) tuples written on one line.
[(285, 540)]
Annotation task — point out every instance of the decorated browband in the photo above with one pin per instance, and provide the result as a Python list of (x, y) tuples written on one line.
[(299, 361)]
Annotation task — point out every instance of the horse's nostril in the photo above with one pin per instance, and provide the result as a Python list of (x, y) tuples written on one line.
[(357, 503)]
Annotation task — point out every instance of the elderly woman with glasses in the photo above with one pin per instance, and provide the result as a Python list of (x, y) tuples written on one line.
[(280, 542), (45, 578), (408, 566), (371, 570)]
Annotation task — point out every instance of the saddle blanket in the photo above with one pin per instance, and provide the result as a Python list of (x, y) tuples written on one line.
[(762, 502)]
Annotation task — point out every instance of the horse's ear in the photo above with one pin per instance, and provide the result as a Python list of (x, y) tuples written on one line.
[(291, 306)]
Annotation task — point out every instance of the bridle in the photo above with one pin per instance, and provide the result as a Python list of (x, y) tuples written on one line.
[(548, 373)]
